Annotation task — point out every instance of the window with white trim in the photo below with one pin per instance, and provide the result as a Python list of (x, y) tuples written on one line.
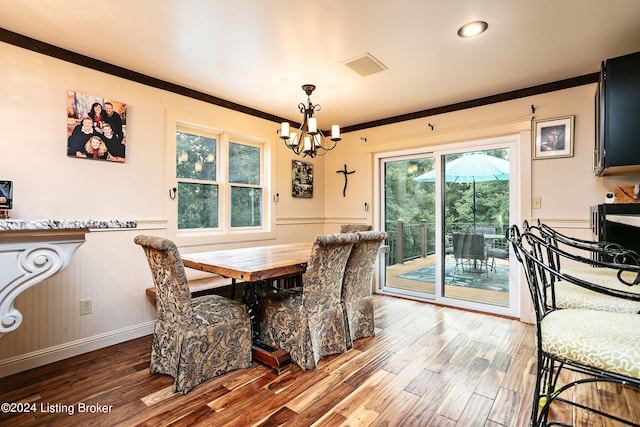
[(221, 183)]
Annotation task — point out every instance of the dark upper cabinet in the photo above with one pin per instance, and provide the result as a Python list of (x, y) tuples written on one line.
[(617, 148)]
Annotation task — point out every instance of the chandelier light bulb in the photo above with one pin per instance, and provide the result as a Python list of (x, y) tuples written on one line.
[(335, 133), (284, 130), (313, 126)]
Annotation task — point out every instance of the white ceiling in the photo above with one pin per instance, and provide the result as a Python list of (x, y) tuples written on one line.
[(258, 53)]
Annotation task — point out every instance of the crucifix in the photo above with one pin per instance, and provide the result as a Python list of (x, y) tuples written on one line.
[(345, 172)]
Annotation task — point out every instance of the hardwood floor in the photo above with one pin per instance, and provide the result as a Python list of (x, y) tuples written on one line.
[(427, 365)]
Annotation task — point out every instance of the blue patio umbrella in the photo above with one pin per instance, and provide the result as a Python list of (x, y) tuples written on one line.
[(471, 168)]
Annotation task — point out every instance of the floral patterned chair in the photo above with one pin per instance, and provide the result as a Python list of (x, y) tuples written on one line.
[(194, 339), (577, 348), (309, 322), (352, 228), (357, 296)]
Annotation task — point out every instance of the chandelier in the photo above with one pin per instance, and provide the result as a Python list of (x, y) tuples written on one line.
[(308, 140)]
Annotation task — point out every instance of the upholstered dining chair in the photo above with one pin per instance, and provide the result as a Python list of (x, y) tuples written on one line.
[(194, 339), (352, 228), (309, 322), (357, 296), (577, 348)]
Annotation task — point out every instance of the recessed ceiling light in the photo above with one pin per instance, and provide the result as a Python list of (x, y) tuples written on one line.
[(472, 29)]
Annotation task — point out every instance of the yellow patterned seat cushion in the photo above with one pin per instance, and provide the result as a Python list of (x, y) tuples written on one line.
[(600, 339), (569, 295)]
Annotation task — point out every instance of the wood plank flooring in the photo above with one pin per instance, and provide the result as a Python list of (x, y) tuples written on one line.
[(427, 365)]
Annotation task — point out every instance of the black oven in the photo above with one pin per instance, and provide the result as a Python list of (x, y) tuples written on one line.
[(608, 231)]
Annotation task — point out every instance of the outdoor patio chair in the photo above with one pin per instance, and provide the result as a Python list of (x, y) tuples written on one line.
[(597, 346), (194, 339), (497, 250), (483, 229), (458, 241), (476, 254), (309, 322), (470, 253)]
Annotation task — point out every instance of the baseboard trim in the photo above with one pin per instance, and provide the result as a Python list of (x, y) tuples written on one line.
[(45, 356)]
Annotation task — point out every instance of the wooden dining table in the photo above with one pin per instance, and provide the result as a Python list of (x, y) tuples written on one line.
[(255, 266)]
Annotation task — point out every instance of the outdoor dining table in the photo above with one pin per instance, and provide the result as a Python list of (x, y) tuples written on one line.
[(255, 266)]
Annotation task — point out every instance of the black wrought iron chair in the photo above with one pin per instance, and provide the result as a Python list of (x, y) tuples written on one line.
[(586, 260), (600, 346), (597, 250)]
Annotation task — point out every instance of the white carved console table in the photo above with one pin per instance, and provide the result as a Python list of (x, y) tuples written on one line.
[(33, 250)]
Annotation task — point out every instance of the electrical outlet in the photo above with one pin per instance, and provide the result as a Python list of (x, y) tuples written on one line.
[(536, 202), (85, 306)]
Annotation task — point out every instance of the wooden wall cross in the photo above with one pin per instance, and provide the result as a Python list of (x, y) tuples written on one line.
[(345, 172)]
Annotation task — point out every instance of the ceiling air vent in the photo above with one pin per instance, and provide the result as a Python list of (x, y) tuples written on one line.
[(365, 65)]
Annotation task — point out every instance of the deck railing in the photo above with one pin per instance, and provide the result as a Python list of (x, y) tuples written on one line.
[(411, 241)]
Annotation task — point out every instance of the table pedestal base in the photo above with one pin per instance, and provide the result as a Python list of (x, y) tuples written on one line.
[(276, 359)]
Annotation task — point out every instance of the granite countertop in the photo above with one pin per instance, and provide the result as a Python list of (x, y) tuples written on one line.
[(63, 224), (632, 220)]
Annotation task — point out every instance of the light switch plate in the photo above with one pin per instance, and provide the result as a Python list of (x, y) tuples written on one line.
[(536, 202)]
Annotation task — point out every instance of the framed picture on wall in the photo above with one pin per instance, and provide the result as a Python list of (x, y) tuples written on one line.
[(301, 179), (553, 138), (6, 194), (96, 127)]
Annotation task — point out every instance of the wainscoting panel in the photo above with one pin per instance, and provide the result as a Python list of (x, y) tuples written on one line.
[(110, 270), (575, 229)]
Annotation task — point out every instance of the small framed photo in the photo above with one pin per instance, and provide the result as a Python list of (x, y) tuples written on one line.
[(301, 179), (6, 194), (553, 138)]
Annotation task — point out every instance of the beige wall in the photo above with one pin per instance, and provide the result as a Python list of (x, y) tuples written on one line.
[(109, 269), (567, 186)]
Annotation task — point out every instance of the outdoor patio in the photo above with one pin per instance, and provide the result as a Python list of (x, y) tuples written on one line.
[(474, 287)]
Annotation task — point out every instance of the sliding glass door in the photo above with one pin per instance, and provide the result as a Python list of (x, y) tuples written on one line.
[(410, 221), (446, 213), (475, 213)]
